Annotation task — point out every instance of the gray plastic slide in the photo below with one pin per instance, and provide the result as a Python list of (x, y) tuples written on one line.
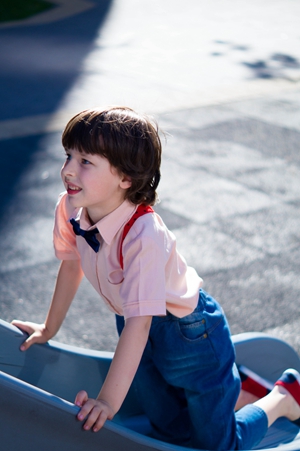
[(37, 389)]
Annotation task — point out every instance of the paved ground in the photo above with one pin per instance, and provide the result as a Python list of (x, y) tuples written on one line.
[(222, 78)]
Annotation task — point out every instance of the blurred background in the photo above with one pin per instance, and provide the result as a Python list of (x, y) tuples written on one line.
[(222, 78)]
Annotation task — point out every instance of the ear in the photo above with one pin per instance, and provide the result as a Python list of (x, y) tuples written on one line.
[(125, 181)]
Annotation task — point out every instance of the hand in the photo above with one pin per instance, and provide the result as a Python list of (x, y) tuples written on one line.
[(38, 333), (97, 411)]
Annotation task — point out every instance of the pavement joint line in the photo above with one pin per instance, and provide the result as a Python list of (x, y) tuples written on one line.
[(34, 125), (63, 10), (226, 95), (55, 122)]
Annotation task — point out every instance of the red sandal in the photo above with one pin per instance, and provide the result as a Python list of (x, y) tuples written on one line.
[(290, 380)]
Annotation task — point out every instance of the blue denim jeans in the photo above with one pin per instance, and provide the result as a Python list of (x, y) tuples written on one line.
[(188, 383)]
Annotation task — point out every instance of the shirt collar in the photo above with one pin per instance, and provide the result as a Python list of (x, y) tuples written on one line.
[(110, 224)]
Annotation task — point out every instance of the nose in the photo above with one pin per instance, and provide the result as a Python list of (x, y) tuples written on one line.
[(69, 168)]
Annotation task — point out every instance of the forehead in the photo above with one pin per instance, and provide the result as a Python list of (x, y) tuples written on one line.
[(82, 153)]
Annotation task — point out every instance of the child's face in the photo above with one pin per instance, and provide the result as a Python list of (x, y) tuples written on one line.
[(93, 183)]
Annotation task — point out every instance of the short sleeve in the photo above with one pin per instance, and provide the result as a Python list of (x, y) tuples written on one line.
[(64, 239)]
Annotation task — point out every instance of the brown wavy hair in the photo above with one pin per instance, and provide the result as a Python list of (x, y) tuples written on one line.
[(130, 141)]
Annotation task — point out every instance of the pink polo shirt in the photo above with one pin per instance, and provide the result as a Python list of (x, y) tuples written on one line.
[(155, 278)]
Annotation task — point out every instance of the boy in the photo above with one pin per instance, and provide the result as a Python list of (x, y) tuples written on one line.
[(175, 337)]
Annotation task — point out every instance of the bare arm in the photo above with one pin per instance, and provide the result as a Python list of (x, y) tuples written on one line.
[(68, 279), (120, 376)]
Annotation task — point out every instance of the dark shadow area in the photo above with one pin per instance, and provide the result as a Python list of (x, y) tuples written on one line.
[(271, 67), (11, 10), (39, 64), (260, 69), (274, 66), (226, 46), (16, 158)]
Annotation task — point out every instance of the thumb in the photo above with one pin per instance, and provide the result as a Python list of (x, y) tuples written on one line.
[(27, 343), (24, 327), (81, 398)]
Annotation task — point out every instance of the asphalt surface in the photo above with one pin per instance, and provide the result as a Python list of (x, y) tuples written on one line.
[(222, 79)]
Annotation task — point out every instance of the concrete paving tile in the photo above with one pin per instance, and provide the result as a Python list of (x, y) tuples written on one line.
[(226, 159), (37, 247), (282, 110), (181, 120), (258, 296), (270, 139), (209, 248), (281, 181), (201, 196), (273, 231), (288, 332)]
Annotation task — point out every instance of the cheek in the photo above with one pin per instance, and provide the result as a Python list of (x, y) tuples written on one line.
[(94, 185)]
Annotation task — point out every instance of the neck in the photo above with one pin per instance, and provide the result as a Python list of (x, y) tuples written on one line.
[(95, 215)]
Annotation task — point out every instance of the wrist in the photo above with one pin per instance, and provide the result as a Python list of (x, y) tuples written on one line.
[(109, 407), (49, 332)]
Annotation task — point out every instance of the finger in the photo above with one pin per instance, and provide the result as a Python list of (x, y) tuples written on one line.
[(25, 327), (96, 419), (86, 409), (89, 412), (100, 421), (81, 398)]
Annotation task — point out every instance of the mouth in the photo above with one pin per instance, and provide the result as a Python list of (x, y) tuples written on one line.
[(72, 189)]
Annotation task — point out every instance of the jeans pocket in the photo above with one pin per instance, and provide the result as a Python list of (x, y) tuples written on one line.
[(193, 330)]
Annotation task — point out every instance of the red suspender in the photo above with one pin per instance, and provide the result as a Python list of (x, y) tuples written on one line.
[(140, 211)]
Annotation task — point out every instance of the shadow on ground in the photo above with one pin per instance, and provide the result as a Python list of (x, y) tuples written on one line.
[(39, 65)]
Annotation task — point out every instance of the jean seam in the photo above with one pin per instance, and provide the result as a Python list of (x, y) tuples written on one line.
[(214, 326)]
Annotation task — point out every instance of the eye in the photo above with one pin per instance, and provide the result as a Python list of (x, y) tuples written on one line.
[(68, 156), (84, 161)]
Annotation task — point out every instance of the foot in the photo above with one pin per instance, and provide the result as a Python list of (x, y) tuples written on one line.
[(289, 384)]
